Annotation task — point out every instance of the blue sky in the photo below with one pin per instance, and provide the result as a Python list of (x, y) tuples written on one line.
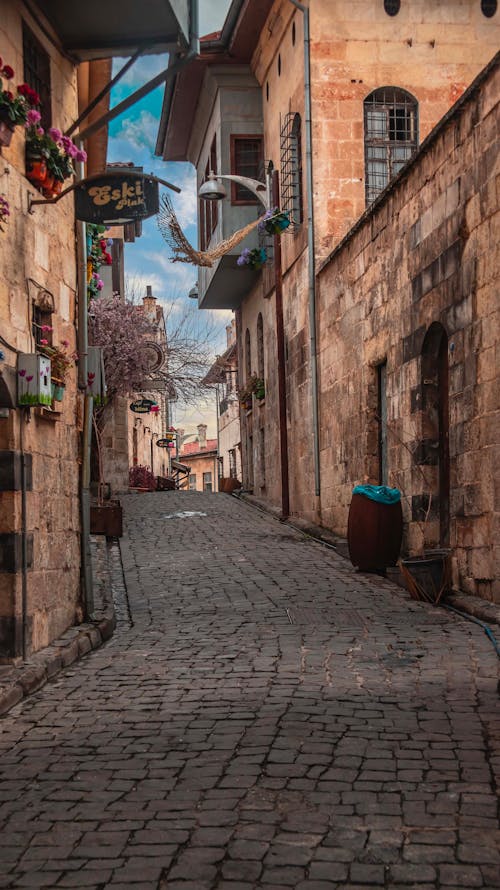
[(132, 137)]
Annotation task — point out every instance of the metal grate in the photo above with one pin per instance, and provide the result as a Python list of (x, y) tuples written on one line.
[(291, 168), (391, 138)]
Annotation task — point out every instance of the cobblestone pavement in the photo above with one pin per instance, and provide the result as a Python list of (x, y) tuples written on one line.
[(269, 719)]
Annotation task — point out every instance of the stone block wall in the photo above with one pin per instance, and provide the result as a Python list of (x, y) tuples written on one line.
[(425, 259), (37, 265)]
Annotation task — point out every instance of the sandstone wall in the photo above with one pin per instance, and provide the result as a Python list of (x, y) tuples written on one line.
[(38, 263), (428, 254)]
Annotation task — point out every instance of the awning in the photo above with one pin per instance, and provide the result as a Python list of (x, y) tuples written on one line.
[(100, 29)]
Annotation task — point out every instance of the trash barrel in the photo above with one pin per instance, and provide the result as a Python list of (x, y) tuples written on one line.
[(375, 527)]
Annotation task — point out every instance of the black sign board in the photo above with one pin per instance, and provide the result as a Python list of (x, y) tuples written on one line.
[(164, 443), (116, 198), (142, 406)]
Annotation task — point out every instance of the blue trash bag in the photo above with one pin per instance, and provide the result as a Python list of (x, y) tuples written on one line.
[(380, 493)]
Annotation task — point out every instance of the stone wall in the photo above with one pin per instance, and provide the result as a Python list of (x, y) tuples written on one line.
[(37, 266), (422, 265)]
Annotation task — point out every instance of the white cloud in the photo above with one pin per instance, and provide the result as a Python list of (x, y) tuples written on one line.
[(144, 69), (139, 132)]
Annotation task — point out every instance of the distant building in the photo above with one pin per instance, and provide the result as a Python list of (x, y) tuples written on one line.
[(201, 457), (224, 376)]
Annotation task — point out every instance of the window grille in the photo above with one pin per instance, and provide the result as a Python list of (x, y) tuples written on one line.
[(36, 62), (41, 318), (291, 168), (246, 160), (391, 136)]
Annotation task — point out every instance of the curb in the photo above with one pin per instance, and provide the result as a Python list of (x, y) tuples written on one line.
[(464, 602), (29, 676)]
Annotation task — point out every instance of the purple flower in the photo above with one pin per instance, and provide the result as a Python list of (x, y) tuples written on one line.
[(80, 155), (29, 377), (33, 117), (244, 257), (22, 372), (55, 134)]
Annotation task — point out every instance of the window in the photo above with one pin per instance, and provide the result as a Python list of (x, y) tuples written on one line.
[(209, 211), (192, 482), (41, 318), (291, 167), (260, 347), (207, 482), (390, 136), (248, 355), (232, 463), (37, 73), (247, 156), (488, 8), (392, 7)]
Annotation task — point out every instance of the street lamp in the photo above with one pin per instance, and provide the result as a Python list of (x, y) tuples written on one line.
[(193, 293), (213, 190)]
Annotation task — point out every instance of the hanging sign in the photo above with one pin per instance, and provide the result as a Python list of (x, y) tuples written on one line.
[(164, 443), (116, 198), (142, 406)]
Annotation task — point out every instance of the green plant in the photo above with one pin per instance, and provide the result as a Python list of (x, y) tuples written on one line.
[(253, 386)]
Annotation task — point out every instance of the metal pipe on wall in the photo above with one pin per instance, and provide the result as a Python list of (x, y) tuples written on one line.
[(280, 349), (310, 243)]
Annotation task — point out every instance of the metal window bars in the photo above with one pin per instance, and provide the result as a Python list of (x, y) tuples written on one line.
[(391, 137), (291, 168)]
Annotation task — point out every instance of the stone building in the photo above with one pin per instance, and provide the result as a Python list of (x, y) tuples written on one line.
[(39, 447), (408, 322), (201, 458), (45, 577), (380, 76), (224, 375)]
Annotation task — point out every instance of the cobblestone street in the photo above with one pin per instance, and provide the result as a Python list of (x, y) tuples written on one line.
[(262, 717)]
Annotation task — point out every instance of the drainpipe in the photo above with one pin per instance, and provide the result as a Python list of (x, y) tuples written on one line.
[(310, 243), (83, 348), (280, 349), (24, 542)]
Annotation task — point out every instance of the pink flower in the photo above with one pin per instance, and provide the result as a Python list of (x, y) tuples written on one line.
[(55, 134), (40, 131), (33, 117), (65, 343), (22, 372), (29, 377), (81, 155), (44, 342), (46, 327)]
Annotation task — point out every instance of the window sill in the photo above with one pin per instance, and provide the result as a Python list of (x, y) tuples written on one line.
[(52, 414)]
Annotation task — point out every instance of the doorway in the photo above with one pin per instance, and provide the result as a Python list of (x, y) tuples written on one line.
[(435, 423)]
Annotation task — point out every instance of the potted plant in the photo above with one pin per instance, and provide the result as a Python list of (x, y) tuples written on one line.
[(253, 387), (274, 221), (60, 362), (255, 258), (14, 107), (49, 156)]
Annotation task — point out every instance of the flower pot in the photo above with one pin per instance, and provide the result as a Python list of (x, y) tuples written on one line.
[(58, 390), (427, 577), (374, 533), (48, 185), (36, 170), (6, 131), (57, 187), (107, 519)]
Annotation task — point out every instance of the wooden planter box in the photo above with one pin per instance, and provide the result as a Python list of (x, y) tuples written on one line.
[(227, 484), (107, 520)]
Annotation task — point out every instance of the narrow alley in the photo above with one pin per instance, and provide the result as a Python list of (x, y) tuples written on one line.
[(262, 717)]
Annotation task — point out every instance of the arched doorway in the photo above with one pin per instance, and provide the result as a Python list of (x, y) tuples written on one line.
[(435, 423)]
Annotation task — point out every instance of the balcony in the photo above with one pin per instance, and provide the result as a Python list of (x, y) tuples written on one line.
[(97, 30)]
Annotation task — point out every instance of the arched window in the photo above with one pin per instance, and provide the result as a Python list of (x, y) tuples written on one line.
[(291, 167), (391, 136), (260, 347), (248, 356)]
